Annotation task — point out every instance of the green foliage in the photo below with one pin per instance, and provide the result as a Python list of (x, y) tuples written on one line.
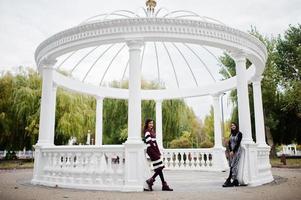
[(288, 55), (177, 118), (180, 143), (185, 141), (281, 86), (19, 109), (75, 114), (123, 135), (206, 144), (208, 127), (115, 120), (288, 62)]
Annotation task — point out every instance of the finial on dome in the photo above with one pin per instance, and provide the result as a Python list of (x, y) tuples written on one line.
[(151, 4)]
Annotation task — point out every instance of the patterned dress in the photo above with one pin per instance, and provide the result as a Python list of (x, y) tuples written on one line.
[(153, 150), (234, 145)]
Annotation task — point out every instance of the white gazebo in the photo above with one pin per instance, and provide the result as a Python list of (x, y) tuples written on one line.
[(122, 167)]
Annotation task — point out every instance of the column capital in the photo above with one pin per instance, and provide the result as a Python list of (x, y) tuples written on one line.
[(238, 55), (257, 79), (217, 94), (98, 97), (47, 63), (135, 44), (54, 86), (159, 100)]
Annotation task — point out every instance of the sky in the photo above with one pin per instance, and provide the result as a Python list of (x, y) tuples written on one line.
[(24, 24)]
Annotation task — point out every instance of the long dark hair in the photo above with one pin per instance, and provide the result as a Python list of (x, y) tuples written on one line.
[(147, 121), (237, 128)]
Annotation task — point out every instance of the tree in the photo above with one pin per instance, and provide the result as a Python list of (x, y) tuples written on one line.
[(280, 95), (75, 114), (288, 62), (185, 141)]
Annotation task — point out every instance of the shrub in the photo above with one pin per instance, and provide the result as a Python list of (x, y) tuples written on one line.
[(206, 144), (180, 143)]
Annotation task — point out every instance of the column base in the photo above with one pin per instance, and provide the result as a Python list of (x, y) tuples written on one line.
[(220, 160), (134, 166), (264, 166), (248, 171), (134, 141), (263, 145), (44, 143)]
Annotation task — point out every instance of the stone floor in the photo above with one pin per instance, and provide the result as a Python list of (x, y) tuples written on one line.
[(15, 184)]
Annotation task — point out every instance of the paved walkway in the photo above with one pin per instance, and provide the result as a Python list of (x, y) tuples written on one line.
[(15, 185)]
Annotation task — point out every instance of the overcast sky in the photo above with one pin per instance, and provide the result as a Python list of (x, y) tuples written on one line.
[(24, 24)]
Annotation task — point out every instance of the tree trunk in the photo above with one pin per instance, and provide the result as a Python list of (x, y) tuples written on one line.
[(270, 142)]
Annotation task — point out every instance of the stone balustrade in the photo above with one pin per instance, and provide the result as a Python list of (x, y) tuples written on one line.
[(189, 159), (91, 167)]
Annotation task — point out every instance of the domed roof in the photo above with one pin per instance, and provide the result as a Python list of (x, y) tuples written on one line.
[(181, 49), (170, 64)]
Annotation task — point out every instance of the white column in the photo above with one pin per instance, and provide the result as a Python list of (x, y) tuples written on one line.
[(217, 121), (134, 102), (47, 118), (248, 161), (134, 147), (99, 119), (258, 109), (48, 102), (243, 98), (159, 123), (219, 156)]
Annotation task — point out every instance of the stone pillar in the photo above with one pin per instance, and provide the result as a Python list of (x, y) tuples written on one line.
[(243, 98), (134, 147), (134, 102), (217, 121), (48, 102), (159, 123), (47, 118), (99, 119), (248, 162), (219, 157), (258, 109)]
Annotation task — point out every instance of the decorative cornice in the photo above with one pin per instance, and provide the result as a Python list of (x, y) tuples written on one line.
[(120, 30)]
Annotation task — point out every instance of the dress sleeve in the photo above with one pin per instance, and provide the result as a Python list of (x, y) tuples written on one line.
[(148, 139), (239, 137)]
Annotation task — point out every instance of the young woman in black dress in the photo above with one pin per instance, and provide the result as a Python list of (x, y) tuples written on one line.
[(234, 156), (155, 155)]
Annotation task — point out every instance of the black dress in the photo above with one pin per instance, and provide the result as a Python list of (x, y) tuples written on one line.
[(234, 146)]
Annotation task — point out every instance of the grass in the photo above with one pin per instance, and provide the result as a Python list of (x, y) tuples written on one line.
[(16, 164), (290, 162)]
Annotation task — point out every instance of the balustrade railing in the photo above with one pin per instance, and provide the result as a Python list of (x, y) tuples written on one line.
[(100, 167), (188, 159)]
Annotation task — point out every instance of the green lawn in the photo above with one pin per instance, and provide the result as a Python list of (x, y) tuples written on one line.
[(290, 162), (16, 164)]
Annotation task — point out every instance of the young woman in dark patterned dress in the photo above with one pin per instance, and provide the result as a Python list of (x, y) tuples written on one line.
[(234, 156), (155, 155)]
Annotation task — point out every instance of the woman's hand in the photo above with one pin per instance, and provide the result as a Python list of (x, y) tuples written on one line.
[(231, 154)]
